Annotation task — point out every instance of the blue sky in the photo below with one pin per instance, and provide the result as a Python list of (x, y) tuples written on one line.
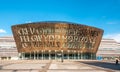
[(104, 14)]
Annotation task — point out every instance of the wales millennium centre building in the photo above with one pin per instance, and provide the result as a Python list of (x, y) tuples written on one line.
[(54, 40)]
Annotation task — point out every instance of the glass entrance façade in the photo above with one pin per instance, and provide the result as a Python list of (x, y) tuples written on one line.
[(54, 55)]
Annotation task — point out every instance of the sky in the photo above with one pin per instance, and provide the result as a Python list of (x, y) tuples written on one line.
[(104, 14)]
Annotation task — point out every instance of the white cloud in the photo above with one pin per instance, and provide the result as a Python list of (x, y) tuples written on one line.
[(28, 21), (113, 36), (2, 31), (111, 22)]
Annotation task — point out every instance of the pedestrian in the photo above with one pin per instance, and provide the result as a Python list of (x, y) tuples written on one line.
[(116, 62)]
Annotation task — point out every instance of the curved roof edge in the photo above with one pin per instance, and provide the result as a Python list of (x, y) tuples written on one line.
[(65, 22)]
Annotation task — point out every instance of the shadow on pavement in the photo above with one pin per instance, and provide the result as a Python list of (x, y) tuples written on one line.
[(1, 67), (108, 65)]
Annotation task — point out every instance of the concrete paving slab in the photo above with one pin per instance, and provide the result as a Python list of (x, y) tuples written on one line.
[(24, 66), (57, 66), (76, 71)]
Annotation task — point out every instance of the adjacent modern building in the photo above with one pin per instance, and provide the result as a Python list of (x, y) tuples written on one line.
[(109, 49), (8, 48), (54, 40)]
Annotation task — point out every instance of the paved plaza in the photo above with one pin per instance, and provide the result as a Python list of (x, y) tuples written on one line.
[(58, 66)]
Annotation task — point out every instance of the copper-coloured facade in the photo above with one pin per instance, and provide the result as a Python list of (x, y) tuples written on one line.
[(51, 38)]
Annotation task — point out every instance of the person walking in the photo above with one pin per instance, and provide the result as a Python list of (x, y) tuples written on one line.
[(116, 62)]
